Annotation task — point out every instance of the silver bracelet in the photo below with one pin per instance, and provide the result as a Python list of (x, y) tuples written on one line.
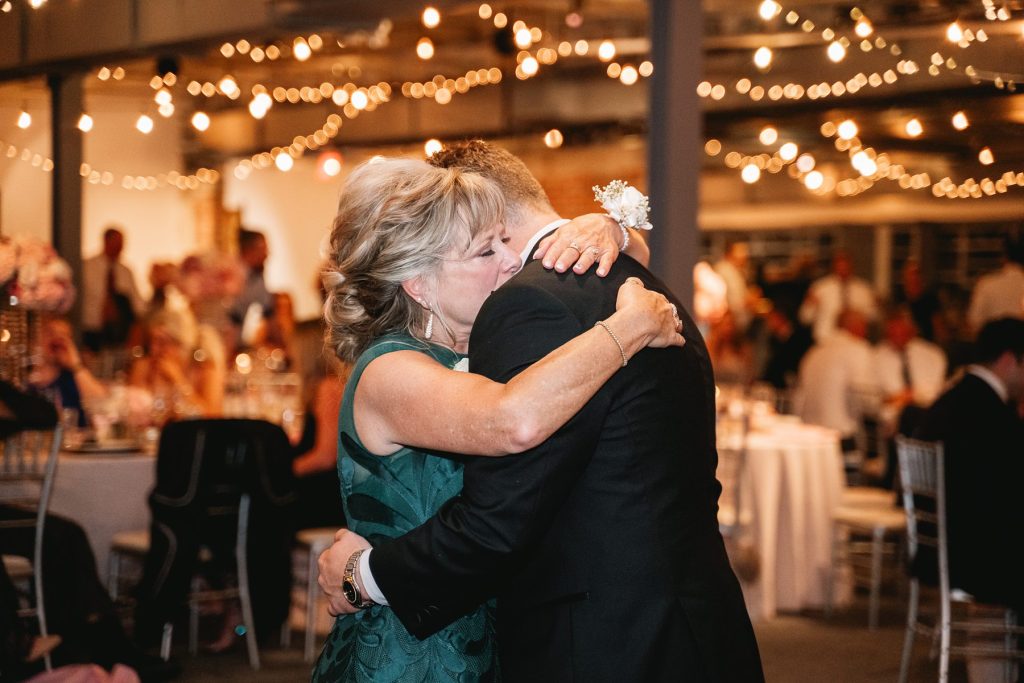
[(614, 339)]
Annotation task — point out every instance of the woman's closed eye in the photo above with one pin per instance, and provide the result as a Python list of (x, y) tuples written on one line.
[(490, 252)]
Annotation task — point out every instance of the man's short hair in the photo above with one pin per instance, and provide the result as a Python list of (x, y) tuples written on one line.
[(997, 337), (247, 238), (112, 231), (521, 189)]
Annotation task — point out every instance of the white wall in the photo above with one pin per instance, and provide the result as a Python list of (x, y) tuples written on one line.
[(294, 210), (158, 225)]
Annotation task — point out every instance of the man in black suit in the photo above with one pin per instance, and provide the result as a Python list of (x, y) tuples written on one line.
[(983, 438), (602, 544)]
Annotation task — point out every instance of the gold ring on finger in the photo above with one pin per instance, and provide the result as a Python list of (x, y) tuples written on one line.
[(573, 245)]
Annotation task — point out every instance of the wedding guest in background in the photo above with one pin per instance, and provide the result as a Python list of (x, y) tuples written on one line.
[(788, 342), (316, 455), (110, 300), (733, 269), (983, 437), (78, 607), (184, 364), (1000, 294), (61, 376), (911, 370), (838, 291), (254, 305), (834, 374), (923, 303), (732, 355)]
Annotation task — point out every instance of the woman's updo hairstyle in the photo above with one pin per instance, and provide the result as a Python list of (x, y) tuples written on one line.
[(397, 219)]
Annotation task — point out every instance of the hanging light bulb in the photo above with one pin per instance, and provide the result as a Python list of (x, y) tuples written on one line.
[(769, 9), (523, 39), (960, 121), (425, 48), (814, 180), (200, 121), (914, 128), (85, 123), (836, 51), (144, 124), (847, 130), (763, 58), (432, 147), (431, 17), (24, 119), (301, 49)]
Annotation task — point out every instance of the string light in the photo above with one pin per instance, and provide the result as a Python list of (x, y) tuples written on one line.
[(960, 121), (768, 135), (144, 124), (24, 119), (301, 49), (847, 130), (863, 28), (750, 174), (914, 128), (432, 147), (954, 33), (763, 58), (606, 51), (84, 123), (284, 161), (200, 121), (769, 9), (36, 4), (836, 51), (986, 157), (425, 48), (431, 17), (553, 138), (814, 180)]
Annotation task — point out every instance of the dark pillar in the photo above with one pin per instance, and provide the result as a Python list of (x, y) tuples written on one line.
[(674, 141), (67, 104)]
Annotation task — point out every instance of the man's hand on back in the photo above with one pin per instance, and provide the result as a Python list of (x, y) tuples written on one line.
[(332, 570)]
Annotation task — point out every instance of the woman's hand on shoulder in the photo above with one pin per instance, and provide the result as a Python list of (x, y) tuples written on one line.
[(582, 242), (650, 311)]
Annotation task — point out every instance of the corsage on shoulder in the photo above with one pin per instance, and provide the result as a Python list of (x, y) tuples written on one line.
[(624, 203)]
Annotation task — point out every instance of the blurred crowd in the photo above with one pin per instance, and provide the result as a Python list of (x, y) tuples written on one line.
[(838, 352)]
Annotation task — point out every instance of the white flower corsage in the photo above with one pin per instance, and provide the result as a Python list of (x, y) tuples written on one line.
[(626, 204), (462, 365)]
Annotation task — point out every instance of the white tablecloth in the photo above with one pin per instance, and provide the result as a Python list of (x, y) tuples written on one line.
[(793, 482), (104, 493)]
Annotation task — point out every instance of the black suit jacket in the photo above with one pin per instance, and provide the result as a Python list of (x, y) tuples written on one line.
[(602, 544), (983, 440)]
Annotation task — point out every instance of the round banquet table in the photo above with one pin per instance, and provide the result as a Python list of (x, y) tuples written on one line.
[(105, 493), (792, 483)]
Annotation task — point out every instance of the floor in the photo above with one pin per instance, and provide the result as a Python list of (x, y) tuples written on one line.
[(803, 648)]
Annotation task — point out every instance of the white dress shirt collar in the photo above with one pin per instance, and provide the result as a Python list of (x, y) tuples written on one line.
[(990, 378), (527, 253)]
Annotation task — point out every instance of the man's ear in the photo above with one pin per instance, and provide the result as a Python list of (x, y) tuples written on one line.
[(417, 289)]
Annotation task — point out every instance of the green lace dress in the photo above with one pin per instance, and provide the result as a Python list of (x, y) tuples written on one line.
[(384, 498)]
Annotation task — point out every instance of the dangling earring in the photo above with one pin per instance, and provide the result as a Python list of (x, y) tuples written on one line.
[(430, 324)]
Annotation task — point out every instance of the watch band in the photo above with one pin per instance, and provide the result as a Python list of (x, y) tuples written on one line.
[(349, 585)]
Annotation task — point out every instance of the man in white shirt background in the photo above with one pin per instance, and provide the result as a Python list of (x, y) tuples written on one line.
[(733, 269), (837, 381), (838, 291), (110, 300), (911, 374), (1000, 294)]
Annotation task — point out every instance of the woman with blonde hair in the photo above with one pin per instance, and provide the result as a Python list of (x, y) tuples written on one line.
[(415, 250), (185, 364)]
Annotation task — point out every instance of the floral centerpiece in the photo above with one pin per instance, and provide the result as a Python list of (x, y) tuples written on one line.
[(33, 276), (33, 279)]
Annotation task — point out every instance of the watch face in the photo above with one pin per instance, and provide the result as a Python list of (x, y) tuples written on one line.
[(350, 592)]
